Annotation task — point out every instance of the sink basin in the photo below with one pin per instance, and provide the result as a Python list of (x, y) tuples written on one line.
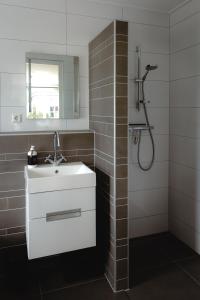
[(45, 178)]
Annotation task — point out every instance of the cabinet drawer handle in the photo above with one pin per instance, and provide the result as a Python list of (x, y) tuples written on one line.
[(62, 215)]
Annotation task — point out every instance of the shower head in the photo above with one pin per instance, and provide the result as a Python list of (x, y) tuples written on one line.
[(151, 68), (148, 69)]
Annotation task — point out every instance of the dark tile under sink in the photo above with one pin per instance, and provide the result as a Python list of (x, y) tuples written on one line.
[(21, 278), (95, 290), (167, 283), (71, 268), (18, 282)]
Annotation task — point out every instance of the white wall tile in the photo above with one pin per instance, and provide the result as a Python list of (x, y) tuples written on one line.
[(14, 61), (147, 226), (156, 93), (89, 8), (184, 205), (148, 203), (185, 209), (51, 5), (185, 233), (186, 122), (186, 33), (158, 117), (81, 123), (186, 180), (185, 92), (82, 29), (13, 90), (190, 8), (186, 151), (32, 25), (185, 63), (161, 148), (0, 89), (84, 92), (152, 5), (137, 15), (156, 178), (149, 38)]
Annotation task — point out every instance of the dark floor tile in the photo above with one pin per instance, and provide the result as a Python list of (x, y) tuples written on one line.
[(18, 283), (192, 266), (65, 270), (17, 273), (176, 249), (57, 280), (141, 275), (16, 254), (98, 290), (149, 253), (18, 295), (17, 277), (146, 253), (167, 283)]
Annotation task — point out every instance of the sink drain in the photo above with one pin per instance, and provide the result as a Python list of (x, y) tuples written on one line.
[(56, 171)]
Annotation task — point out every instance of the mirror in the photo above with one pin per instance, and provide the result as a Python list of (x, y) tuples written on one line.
[(52, 86)]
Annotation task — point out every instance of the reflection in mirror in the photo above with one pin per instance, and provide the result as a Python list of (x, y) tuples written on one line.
[(52, 86)]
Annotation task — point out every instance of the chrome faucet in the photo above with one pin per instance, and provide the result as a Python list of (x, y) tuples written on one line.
[(57, 158), (56, 144)]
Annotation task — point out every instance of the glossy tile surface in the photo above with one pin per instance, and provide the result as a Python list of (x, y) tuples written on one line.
[(184, 124), (164, 268)]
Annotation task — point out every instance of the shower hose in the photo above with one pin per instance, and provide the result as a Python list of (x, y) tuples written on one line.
[(150, 134)]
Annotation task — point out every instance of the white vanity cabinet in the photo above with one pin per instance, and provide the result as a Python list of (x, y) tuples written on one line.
[(60, 220)]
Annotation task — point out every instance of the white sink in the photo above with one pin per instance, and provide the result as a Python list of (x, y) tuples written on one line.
[(45, 178)]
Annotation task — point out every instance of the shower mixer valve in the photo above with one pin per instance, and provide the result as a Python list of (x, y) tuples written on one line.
[(136, 136), (143, 101)]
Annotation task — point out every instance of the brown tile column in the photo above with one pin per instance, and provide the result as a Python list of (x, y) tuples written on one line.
[(108, 58)]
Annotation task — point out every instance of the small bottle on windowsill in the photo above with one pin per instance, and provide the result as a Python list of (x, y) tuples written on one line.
[(32, 157)]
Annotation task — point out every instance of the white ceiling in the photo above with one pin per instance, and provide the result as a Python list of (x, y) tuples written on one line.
[(160, 5)]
